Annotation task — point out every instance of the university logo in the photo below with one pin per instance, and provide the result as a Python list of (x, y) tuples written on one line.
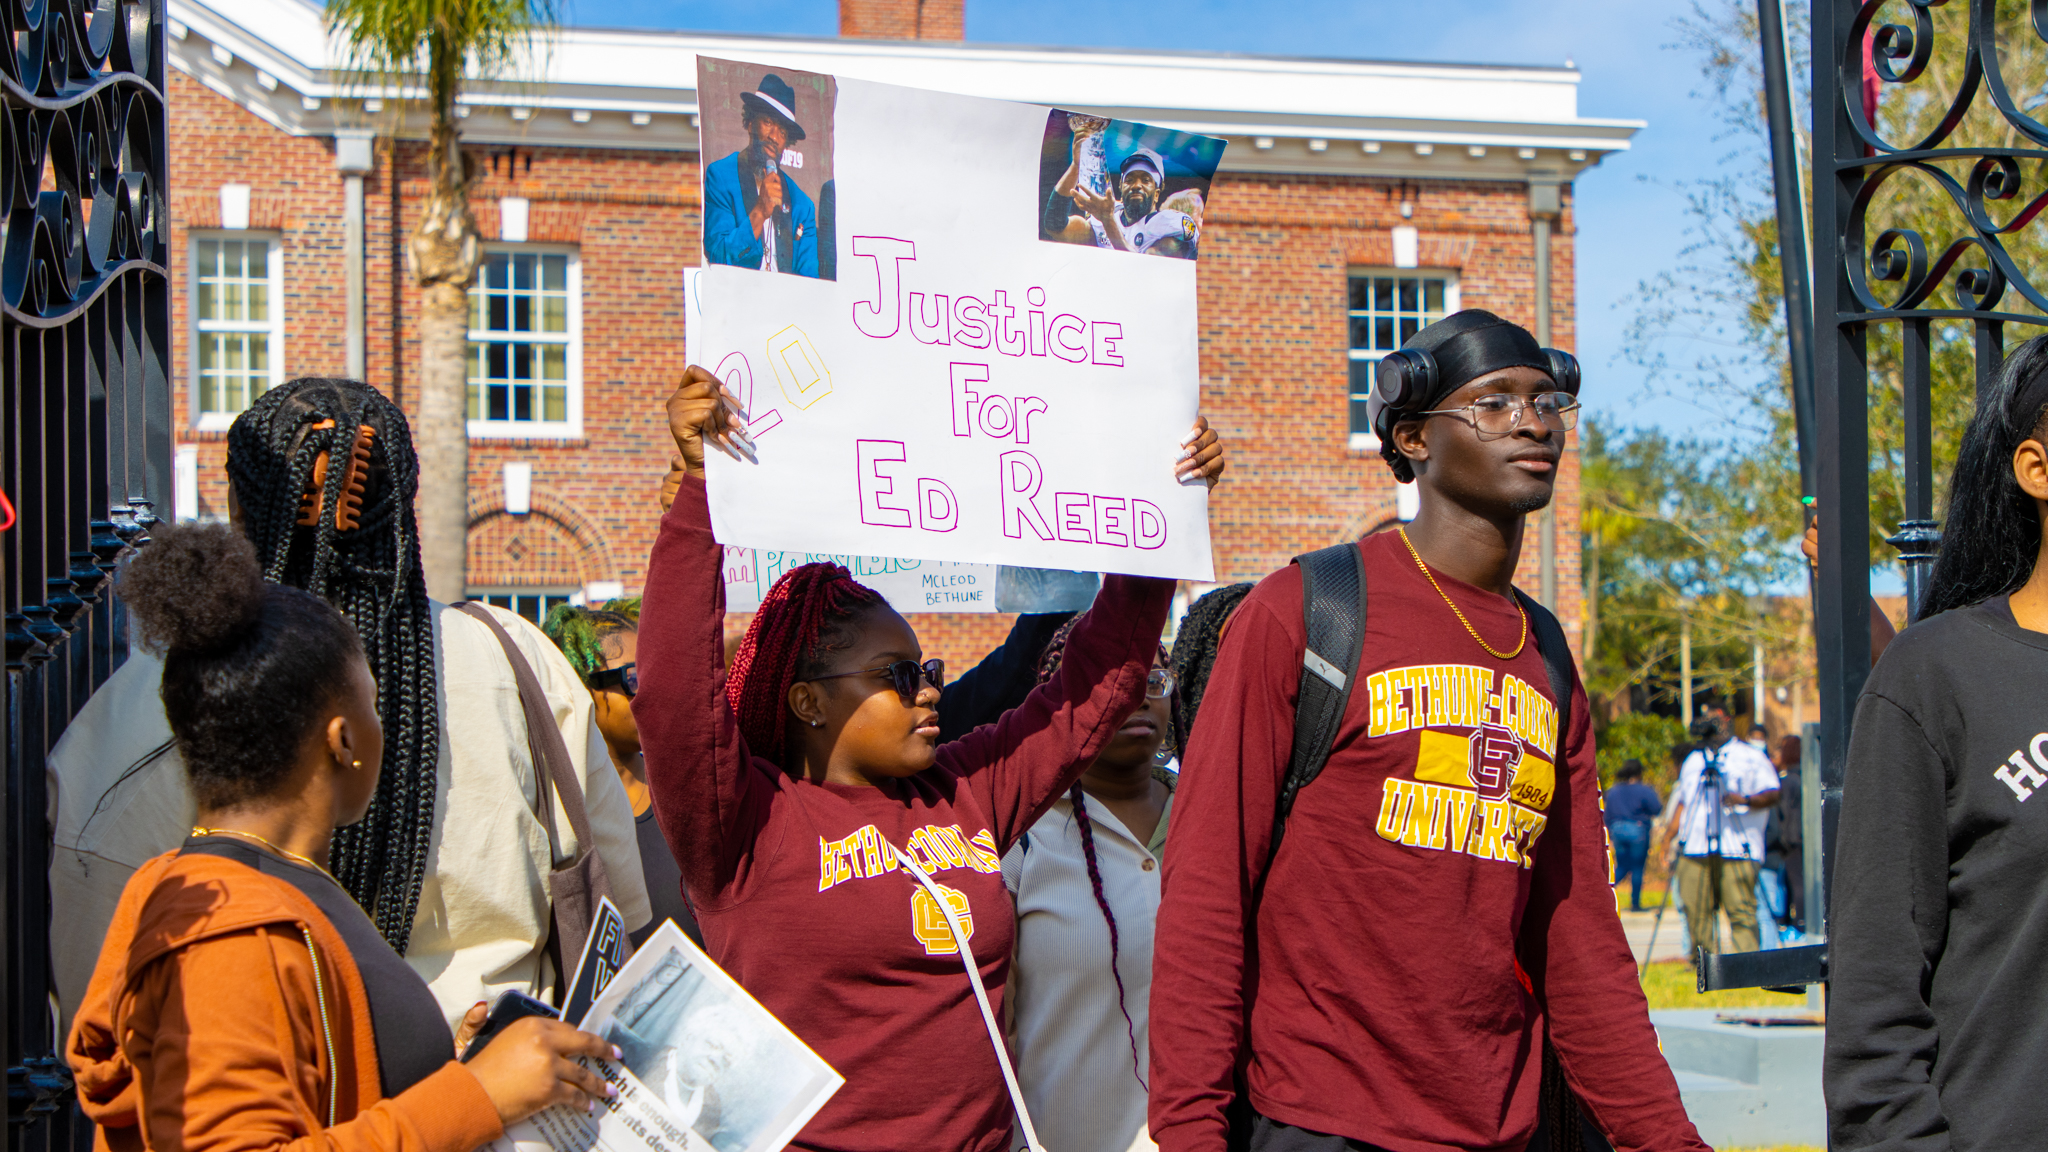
[(1483, 774), (928, 923)]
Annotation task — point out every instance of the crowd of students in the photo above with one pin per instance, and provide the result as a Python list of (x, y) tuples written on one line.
[(302, 836)]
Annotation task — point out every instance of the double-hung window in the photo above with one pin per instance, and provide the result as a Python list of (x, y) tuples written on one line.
[(237, 324), (525, 344), (1386, 308)]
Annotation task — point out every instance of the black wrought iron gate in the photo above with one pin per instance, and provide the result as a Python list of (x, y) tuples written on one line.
[(1981, 152), (85, 445)]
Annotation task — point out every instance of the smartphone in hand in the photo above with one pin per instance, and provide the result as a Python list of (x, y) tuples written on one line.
[(510, 1005)]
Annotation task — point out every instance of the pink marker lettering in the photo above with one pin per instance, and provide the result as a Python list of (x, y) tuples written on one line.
[(1070, 514), (965, 399), (1104, 335), (883, 316), (1111, 521), (1071, 352), (1021, 479), (1150, 523), (869, 456), (937, 509)]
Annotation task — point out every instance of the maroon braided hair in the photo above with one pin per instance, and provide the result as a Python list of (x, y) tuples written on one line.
[(1048, 666), (1087, 826), (804, 618)]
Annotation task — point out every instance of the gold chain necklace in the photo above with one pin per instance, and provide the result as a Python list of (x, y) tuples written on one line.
[(1431, 576), (284, 852)]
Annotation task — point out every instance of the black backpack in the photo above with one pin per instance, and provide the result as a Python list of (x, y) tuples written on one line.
[(1333, 606)]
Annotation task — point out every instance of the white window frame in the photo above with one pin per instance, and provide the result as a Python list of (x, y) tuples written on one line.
[(483, 593), (1366, 441), (571, 428), (220, 421)]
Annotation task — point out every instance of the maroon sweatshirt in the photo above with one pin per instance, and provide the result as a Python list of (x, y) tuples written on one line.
[(801, 899), (1372, 992)]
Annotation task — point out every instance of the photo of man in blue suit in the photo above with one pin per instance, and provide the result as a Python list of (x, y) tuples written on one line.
[(755, 216)]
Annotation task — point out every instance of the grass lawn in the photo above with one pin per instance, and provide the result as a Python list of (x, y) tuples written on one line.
[(1670, 984)]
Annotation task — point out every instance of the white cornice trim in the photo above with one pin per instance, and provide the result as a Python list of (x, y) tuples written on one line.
[(1340, 117)]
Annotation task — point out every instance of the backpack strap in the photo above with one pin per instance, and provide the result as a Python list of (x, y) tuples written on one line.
[(1333, 611), (1557, 662)]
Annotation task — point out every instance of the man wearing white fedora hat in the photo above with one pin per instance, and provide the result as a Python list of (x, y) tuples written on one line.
[(755, 216)]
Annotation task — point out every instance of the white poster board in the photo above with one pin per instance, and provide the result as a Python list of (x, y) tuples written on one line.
[(938, 355)]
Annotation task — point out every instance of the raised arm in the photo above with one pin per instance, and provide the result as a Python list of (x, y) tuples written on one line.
[(1020, 764), (708, 792), (1031, 755), (1001, 681), (1888, 920), (1579, 963)]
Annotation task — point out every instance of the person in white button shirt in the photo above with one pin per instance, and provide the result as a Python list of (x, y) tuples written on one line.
[(1086, 882), (1725, 791), (451, 863)]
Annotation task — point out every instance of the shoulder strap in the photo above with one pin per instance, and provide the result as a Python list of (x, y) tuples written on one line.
[(1557, 662), (550, 755), (1333, 610), (988, 1015)]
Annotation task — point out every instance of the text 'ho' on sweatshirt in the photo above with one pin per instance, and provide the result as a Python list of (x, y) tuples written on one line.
[(796, 884), (1439, 846), (1938, 919)]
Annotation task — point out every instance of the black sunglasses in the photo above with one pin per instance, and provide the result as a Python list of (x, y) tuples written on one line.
[(625, 678), (904, 674)]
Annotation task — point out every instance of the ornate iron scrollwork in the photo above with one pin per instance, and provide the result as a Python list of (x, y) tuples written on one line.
[(1974, 277), (85, 401)]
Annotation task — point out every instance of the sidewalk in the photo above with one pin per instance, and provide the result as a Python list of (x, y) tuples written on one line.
[(1670, 936)]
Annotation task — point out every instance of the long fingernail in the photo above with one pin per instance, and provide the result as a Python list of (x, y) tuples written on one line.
[(616, 1054), (611, 1091), (590, 1108)]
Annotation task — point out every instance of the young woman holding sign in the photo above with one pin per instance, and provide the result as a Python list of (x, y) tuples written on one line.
[(815, 814)]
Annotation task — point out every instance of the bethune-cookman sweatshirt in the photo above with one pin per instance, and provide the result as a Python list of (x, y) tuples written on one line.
[(1937, 1027), (801, 899), (1439, 846)]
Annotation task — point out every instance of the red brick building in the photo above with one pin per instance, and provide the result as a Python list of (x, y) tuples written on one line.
[(1356, 200)]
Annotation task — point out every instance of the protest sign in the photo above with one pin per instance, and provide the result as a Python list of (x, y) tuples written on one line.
[(703, 1068), (966, 332), (908, 585), (917, 585)]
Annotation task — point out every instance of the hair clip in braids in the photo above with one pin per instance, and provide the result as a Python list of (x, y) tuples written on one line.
[(348, 504)]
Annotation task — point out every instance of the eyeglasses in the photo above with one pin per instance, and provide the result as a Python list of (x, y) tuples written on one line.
[(1499, 414), (625, 678), (904, 674), (1158, 683)]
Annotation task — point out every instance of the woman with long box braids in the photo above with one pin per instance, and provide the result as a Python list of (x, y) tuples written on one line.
[(451, 862), (1086, 882), (788, 788)]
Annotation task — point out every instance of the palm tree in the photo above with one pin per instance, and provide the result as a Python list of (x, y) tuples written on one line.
[(434, 45)]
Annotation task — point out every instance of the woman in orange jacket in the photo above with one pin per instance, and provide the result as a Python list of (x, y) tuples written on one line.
[(242, 998)]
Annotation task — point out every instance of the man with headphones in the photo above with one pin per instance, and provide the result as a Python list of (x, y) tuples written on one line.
[(1386, 974)]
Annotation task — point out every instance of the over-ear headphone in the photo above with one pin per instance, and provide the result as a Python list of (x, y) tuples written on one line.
[(1405, 380)]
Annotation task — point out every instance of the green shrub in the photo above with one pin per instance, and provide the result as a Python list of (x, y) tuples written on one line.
[(1648, 738)]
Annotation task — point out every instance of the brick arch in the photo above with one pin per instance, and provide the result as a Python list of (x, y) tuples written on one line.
[(555, 544), (1377, 518)]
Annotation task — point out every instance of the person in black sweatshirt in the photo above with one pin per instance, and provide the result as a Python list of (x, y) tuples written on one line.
[(1938, 1022)]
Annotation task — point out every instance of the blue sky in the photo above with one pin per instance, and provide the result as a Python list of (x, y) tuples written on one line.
[(1631, 208)]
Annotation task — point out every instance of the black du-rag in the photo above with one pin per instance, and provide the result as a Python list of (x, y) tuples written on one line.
[(1471, 344)]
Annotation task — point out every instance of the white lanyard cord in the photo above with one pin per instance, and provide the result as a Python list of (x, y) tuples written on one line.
[(988, 1016)]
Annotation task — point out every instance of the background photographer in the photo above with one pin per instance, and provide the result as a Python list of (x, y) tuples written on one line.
[(1725, 790)]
